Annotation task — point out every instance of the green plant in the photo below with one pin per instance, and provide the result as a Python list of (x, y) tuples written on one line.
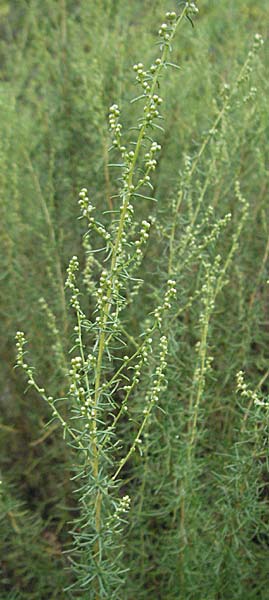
[(168, 307), (100, 397)]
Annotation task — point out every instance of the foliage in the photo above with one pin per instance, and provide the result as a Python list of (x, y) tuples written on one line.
[(158, 488)]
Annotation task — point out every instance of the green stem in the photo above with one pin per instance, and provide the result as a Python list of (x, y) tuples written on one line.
[(107, 308)]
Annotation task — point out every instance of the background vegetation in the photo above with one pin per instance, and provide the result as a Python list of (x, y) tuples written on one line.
[(198, 524)]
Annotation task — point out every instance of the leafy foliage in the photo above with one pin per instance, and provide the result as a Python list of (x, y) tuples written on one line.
[(144, 473)]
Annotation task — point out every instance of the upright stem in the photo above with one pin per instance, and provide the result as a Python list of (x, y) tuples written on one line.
[(102, 337)]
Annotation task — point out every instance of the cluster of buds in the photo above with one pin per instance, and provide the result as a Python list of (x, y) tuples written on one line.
[(108, 295), (151, 110), (76, 364), (202, 369), (137, 373), (84, 203), (157, 99), (258, 42), (127, 189), (142, 77), (20, 343), (71, 282), (143, 237), (186, 172), (241, 385), (215, 232), (187, 163), (71, 270), (137, 369), (171, 16), (121, 509), (144, 181), (150, 161), (138, 254), (90, 362), (129, 212), (114, 125), (159, 383), (170, 294), (251, 94), (144, 231), (256, 46), (146, 349), (245, 392), (102, 291), (139, 69), (76, 373), (191, 8), (101, 230), (163, 353), (124, 505), (129, 157), (240, 197), (86, 209), (155, 65), (208, 290), (165, 32), (88, 269)]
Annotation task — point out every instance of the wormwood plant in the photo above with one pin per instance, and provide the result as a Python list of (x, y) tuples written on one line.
[(145, 402), (102, 378)]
